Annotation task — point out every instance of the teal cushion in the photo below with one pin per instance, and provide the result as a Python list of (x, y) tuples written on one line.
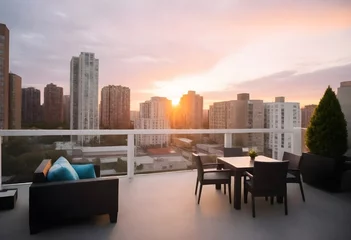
[(84, 171), (62, 170)]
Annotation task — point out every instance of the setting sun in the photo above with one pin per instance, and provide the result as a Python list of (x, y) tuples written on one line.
[(175, 101)]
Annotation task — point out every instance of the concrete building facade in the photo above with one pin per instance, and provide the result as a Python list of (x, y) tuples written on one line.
[(189, 112), (205, 119), (84, 92), (53, 105), (280, 115), (344, 97), (154, 114), (15, 101), (239, 114), (4, 75), (66, 109), (115, 107), (31, 108), (306, 114), (134, 115)]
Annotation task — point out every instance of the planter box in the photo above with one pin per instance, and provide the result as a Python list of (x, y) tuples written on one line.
[(321, 172), (346, 181)]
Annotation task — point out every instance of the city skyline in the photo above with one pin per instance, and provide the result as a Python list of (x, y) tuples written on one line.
[(213, 51)]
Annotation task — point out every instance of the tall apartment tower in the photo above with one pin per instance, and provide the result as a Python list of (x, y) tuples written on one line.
[(66, 109), (218, 118), (4, 75), (189, 113), (134, 115), (84, 91), (239, 114), (280, 115), (154, 114), (31, 108), (306, 114), (15, 101), (344, 96), (115, 107), (53, 105), (205, 119)]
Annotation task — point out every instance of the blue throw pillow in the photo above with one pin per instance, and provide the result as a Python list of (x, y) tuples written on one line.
[(62, 170), (84, 171)]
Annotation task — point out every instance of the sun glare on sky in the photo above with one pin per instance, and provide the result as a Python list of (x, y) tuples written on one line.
[(175, 101)]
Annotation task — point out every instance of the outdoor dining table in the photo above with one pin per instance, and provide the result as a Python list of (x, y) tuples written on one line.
[(239, 165)]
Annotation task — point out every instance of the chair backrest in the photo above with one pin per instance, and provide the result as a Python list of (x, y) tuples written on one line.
[(294, 160), (232, 152), (199, 166), (270, 177)]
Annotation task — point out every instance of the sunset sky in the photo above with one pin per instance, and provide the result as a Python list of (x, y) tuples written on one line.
[(291, 48)]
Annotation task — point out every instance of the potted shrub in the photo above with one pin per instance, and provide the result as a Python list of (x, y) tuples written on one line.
[(326, 139), (253, 154)]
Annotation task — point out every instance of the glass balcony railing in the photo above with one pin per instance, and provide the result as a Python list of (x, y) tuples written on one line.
[(129, 152)]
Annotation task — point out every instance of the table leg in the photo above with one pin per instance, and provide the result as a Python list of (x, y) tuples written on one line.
[(280, 199), (237, 190)]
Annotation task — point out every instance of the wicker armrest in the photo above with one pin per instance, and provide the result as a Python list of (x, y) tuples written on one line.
[(216, 171), (247, 174), (211, 165)]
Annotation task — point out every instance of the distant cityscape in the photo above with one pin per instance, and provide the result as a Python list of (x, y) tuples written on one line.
[(21, 108)]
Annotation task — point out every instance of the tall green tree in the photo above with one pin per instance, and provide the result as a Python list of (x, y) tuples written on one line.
[(327, 132)]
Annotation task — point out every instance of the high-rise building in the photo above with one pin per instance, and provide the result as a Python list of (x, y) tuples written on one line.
[(280, 115), (344, 96), (134, 115), (218, 118), (188, 115), (84, 92), (306, 114), (115, 107), (205, 119), (154, 114), (31, 108), (66, 109), (4, 75), (239, 114), (74, 93), (15, 101), (53, 105)]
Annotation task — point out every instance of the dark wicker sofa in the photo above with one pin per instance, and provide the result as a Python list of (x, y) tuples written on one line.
[(52, 202)]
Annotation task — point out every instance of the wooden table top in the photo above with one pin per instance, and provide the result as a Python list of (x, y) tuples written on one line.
[(243, 162)]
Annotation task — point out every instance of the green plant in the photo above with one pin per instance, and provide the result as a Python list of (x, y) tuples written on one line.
[(327, 132), (253, 153)]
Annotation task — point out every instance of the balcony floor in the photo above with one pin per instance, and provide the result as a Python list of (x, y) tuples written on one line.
[(163, 206)]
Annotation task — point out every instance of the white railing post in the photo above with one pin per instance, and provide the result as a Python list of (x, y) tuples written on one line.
[(0, 164), (228, 140), (297, 141), (130, 156)]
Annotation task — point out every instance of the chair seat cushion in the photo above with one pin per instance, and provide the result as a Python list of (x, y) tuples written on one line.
[(216, 176), (84, 171), (62, 170)]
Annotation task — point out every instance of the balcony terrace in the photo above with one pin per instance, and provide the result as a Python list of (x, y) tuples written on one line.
[(163, 205)]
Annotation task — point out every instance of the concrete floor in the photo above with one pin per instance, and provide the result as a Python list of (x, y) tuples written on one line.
[(163, 206)]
